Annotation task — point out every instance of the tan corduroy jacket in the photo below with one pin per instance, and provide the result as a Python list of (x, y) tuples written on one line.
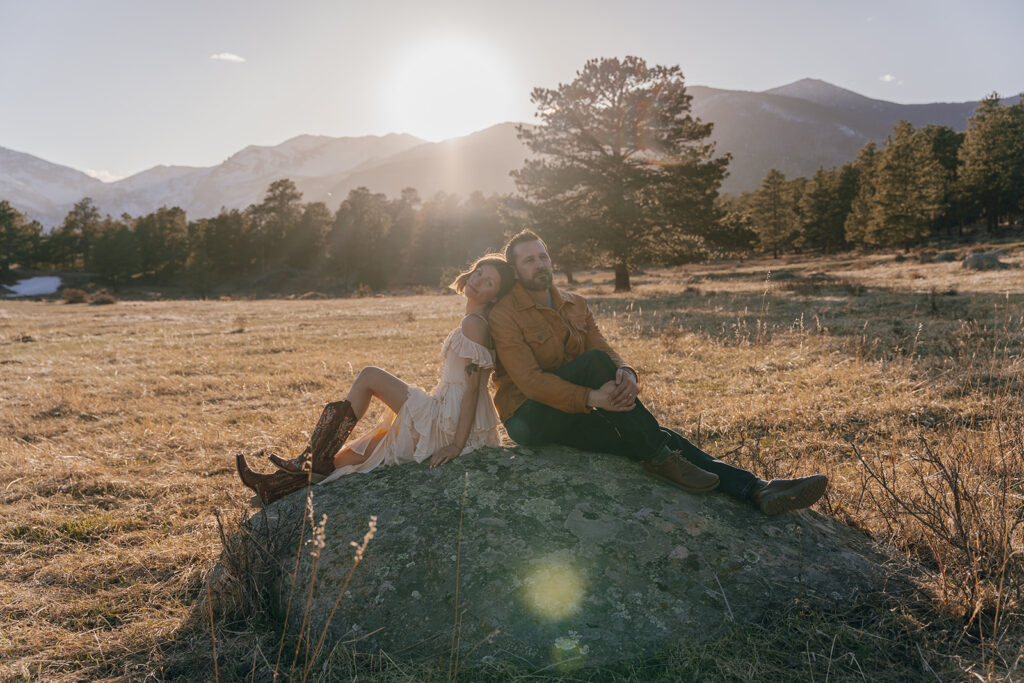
[(533, 341)]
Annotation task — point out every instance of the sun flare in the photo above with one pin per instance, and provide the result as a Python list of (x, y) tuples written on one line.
[(553, 589), (445, 88)]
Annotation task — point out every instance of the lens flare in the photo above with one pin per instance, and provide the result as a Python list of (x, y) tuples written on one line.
[(569, 653), (553, 589)]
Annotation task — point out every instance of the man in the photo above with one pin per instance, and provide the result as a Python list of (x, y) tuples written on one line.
[(559, 381)]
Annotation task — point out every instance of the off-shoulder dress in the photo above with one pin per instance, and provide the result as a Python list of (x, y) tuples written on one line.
[(427, 422)]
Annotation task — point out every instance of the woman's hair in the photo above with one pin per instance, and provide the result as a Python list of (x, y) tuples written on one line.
[(505, 272)]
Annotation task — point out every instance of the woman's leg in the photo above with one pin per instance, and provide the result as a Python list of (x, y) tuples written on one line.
[(371, 382)]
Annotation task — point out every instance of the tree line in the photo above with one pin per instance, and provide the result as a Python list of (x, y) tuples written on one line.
[(622, 175), (370, 241), (921, 184)]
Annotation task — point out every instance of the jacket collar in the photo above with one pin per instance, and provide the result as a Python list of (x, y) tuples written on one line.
[(522, 299)]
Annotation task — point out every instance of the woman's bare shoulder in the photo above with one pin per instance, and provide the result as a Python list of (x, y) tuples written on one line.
[(474, 327)]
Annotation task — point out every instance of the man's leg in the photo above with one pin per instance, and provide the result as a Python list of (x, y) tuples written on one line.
[(732, 480), (534, 423), (634, 434)]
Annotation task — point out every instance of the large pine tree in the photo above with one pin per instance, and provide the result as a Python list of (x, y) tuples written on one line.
[(623, 160), (909, 184), (992, 159)]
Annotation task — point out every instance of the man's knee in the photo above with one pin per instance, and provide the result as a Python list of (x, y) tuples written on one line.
[(599, 367), (518, 429)]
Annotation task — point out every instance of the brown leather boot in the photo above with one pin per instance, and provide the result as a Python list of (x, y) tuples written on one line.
[(683, 473), (330, 433), (332, 430), (270, 487), (783, 495), (296, 464)]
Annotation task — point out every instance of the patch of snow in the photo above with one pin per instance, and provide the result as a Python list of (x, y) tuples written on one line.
[(35, 286)]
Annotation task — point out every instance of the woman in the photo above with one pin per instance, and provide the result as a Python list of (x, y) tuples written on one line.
[(457, 417)]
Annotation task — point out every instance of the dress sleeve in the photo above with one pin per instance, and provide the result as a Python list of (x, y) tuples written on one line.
[(471, 350)]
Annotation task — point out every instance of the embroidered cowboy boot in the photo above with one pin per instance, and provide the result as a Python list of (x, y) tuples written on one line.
[(296, 464), (330, 433), (270, 487)]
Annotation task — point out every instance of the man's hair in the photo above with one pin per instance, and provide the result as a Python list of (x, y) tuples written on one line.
[(526, 235)]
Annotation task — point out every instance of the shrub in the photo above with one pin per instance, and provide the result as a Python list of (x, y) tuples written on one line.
[(74, 296), (101, 298), (363, 290)]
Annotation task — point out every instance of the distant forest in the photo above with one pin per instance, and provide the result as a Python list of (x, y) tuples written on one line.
[(921, 185)]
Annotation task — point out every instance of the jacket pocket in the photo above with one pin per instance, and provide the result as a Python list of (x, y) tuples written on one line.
[(545, 347)]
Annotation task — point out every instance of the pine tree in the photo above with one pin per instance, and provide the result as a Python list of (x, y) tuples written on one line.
[(70, 245), (825, 204), (19, 238), (909, 185), (863, 168), (357, 242), (273, 219), (992, 159), (771, 212), (620, 152)]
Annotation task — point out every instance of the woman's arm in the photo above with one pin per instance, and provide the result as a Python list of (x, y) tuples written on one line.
[(476, 381)]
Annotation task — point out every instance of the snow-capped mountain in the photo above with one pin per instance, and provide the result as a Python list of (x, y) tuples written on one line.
[(43, 190), (795, 128), (46, 191)]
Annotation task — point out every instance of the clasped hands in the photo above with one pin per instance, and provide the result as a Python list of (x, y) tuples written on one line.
[(617, 395)]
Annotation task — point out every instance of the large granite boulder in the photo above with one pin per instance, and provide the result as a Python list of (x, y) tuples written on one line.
[(565, 558)]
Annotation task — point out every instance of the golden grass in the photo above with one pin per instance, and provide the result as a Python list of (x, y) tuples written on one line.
[(119, 423)]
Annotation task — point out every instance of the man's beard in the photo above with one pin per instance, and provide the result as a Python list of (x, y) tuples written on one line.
[(540, 281)]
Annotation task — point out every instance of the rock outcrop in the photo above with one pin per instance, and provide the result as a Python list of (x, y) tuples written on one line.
[(984, 261), (565, 558)]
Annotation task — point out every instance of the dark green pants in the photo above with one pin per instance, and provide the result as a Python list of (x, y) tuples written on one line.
[(635, 434)]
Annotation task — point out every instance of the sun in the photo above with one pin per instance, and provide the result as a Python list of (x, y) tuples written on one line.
[(443, 88)]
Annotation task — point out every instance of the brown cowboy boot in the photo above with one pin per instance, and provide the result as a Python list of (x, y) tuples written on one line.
[(296, 464), (330, 433), (783, 495), (270, 487)]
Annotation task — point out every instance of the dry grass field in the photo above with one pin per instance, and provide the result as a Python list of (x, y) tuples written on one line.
[(902, 381)]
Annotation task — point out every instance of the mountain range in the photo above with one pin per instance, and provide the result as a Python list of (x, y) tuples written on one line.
[(796, 128)]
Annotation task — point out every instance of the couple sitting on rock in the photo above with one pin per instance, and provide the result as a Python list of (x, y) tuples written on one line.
[(558, 381)]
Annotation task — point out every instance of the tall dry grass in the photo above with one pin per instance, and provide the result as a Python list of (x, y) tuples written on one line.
[(902, 381)]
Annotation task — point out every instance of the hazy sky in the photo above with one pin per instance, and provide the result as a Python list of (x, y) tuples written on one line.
[(117, 86)]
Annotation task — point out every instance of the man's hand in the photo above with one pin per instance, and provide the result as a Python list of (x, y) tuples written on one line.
[(626, 389), (602, 398), (443, 455)]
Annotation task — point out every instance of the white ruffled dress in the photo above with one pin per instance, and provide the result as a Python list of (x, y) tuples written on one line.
[(427, 422)]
